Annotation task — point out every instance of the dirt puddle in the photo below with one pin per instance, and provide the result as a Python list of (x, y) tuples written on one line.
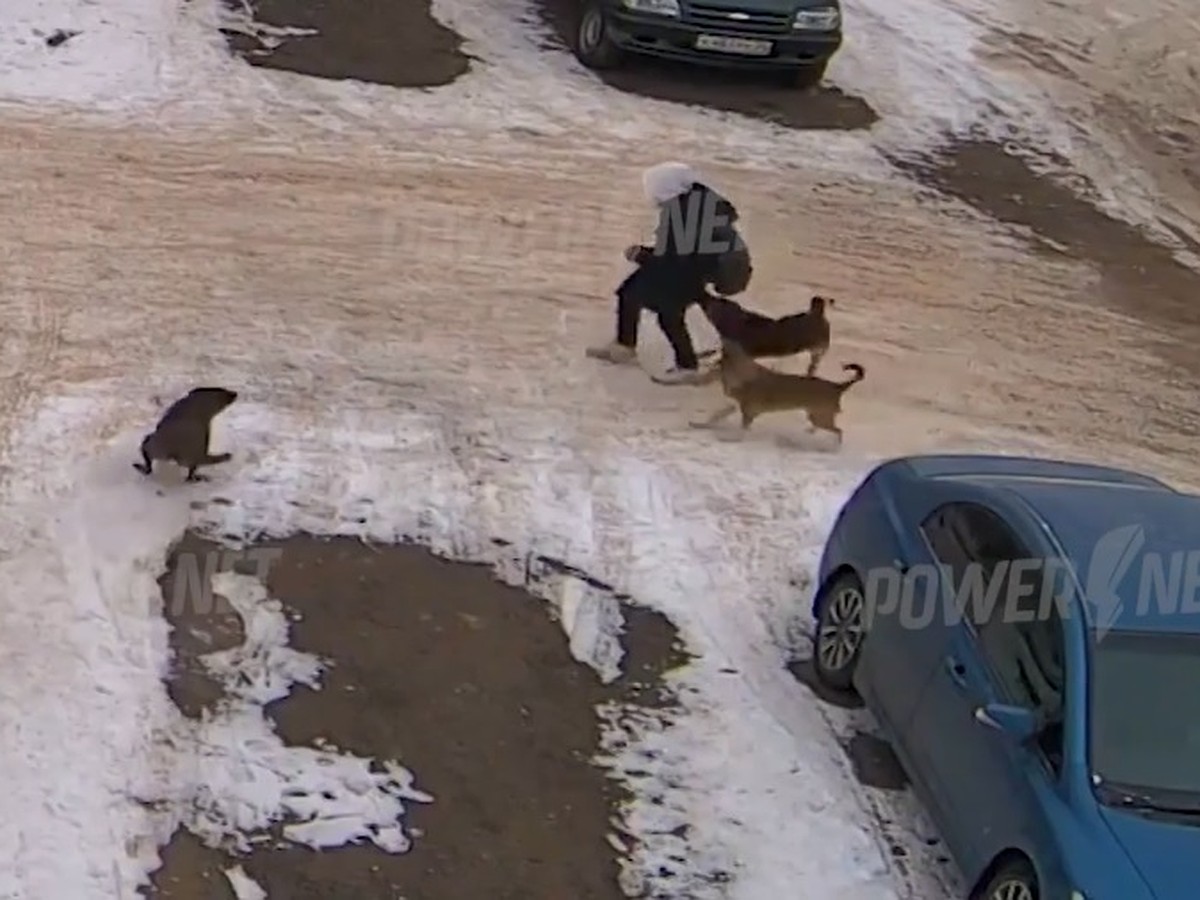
[(465, 681)]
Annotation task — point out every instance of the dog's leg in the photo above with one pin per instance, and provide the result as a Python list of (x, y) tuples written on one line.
[(814, 358), (209, 459), (723, 413), (748, 416), (823, 421), (146, 466)]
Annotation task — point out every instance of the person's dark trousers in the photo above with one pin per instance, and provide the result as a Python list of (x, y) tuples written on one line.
[(673, 323), (638, 292), (629, 312)]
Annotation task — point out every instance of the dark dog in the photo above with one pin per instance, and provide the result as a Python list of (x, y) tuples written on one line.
[(182, 434), (763, 337), (755, 389)]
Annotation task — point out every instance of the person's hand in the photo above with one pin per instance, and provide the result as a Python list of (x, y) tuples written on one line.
[(632, 252)]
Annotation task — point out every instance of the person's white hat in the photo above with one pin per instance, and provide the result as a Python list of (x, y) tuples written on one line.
[(667, 180)]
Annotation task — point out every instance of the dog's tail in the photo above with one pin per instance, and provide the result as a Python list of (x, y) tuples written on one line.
[(859, 373)]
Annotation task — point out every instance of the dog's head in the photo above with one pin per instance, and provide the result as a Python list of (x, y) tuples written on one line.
[(818, 305)]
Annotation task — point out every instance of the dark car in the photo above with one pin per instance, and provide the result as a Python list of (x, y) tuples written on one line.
[(1025, 635), (795, 38)]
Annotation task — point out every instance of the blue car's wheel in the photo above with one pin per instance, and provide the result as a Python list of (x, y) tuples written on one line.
[(1015, 881), (841, 628)]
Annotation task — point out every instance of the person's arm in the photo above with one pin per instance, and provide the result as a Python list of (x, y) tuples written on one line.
[(663, 245)]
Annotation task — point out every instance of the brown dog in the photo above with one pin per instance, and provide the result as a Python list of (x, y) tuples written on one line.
[(755, 389), (763, 337), (182, 434)]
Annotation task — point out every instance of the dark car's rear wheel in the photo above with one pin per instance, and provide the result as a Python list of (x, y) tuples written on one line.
[(804, 77), (1014, 881), (594, 46), (841, 629)]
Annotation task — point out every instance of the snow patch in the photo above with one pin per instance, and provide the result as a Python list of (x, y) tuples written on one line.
[(242, 21), (244, 779), (263, 668), (593, 622), (126, 54), (244, 887)]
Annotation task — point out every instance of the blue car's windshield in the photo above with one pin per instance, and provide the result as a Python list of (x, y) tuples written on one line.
[(1145, 701)]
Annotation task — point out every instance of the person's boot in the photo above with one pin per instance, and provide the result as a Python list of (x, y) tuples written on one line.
[(612, 352)]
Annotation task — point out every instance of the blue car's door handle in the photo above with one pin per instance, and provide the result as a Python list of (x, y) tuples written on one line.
[(957, 671)]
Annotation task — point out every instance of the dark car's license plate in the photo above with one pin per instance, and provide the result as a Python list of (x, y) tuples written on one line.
[(739, 46)]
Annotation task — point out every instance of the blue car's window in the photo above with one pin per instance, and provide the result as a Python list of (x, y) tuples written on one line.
[(985, 535), (940, 529), (1025, 657), (1145, 700), (965, 534)]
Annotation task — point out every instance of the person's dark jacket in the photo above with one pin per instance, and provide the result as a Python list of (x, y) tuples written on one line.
[(697, 243)]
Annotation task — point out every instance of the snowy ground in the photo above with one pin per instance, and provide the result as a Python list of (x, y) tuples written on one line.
[(390, 281)]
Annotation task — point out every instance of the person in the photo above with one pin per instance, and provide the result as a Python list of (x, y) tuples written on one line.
[(696, 245)]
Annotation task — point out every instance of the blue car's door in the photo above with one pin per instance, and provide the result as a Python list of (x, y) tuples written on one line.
[(911, 643), (898, 658), (987, 790)]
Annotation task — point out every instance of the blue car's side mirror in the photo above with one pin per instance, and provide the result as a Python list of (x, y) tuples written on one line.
[(1018, 722)]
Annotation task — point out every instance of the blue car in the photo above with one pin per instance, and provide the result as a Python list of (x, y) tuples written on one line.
[(1027, 633)]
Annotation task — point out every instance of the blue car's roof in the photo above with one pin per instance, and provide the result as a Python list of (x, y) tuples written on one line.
[(1023, 467), (1107, 513)]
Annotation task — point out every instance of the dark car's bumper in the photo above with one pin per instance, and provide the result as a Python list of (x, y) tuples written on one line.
[(668, 38)]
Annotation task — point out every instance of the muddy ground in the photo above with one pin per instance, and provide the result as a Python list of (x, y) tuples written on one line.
[(1137, 275), (399, 43), (394, 42), (465, 681)]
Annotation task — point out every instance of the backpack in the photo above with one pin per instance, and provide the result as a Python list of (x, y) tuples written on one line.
[(733, 271)]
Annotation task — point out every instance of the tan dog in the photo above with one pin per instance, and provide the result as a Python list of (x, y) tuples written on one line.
[(755, 389)]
